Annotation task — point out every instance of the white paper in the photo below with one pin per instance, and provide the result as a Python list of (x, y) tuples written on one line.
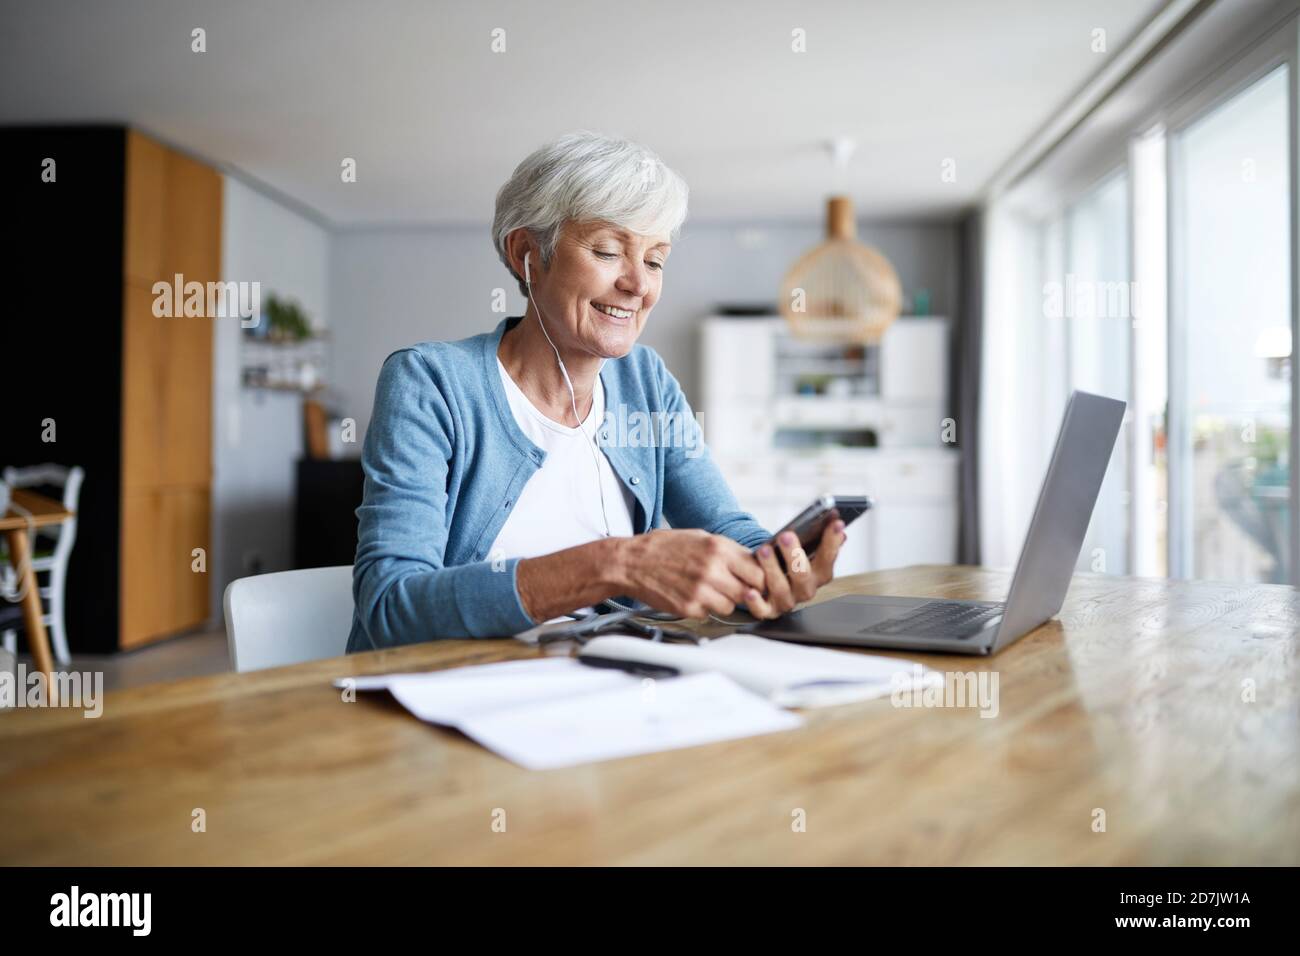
[(450, 696), (514, 676), (663, 715), (789, 675), (557, 712)]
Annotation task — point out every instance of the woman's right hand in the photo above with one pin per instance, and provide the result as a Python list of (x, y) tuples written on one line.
[(689, 572)]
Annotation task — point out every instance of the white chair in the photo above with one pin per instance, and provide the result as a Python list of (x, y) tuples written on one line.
[(288, 617), (9, 615), (56, 563)]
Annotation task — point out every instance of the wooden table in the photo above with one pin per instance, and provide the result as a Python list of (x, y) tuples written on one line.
[(1132, 704), (45, 512)]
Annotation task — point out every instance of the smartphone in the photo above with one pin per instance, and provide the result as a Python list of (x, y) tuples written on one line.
[(809, 524)]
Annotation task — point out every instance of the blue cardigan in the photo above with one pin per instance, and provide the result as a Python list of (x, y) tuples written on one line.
[(445, 460)]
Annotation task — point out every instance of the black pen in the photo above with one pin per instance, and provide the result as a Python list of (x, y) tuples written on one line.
[(632, 667)]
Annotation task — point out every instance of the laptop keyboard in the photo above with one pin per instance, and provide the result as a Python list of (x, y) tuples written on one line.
[(938, 619)]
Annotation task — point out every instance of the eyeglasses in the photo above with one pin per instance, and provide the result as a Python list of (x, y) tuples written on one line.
[(590, 624), (656, 632)]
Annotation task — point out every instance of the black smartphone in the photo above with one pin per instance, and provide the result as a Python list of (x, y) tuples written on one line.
[(809, 524)]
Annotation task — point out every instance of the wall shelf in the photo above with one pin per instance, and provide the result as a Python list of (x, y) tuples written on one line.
[(294, 366)]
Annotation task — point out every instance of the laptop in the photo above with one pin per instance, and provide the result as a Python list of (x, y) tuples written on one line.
[(1065, 502)]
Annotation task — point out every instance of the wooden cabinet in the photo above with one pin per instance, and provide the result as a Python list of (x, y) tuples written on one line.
[(132, 402), (162, 591), (172, 227)]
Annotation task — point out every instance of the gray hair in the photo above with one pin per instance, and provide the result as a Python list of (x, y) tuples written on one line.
[(585, 176)]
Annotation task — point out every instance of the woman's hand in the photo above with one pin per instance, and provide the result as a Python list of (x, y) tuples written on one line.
[(689, 572), (784, 590)]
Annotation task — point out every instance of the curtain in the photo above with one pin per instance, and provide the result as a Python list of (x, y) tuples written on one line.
[(965, 386)]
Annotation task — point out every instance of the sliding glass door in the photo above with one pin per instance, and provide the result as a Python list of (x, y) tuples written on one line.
[(1230, 337)]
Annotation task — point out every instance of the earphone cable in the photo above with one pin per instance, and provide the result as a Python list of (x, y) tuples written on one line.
[(573, 400)]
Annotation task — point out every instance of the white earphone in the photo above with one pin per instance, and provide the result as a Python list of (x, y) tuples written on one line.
[(573, 400)]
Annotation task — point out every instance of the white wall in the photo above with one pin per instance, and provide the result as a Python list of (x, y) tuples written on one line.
[(393, 287), (257, 434)]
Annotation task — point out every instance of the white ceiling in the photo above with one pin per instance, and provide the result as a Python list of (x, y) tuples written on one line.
[(436, 121)]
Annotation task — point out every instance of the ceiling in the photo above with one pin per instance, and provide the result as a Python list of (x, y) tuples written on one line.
[(436, 121)]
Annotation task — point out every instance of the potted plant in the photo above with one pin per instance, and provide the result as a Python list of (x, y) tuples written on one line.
[(286, 321)]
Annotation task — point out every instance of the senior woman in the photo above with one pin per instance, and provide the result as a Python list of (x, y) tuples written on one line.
[(501, 491)]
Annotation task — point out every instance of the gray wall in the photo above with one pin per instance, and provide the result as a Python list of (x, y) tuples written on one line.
[(392, 287)]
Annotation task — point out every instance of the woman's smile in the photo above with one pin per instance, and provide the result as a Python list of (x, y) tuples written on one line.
[(626, 318)]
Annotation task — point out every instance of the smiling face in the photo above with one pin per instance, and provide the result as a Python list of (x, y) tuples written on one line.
[(600, 287)]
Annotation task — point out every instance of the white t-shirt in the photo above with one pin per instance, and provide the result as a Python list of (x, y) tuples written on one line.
[(560, 504)]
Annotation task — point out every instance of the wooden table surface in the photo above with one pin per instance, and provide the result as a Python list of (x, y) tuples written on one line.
[(1136, 702), (44, 512)]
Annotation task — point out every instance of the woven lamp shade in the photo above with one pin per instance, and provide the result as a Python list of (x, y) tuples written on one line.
[(850, 291)]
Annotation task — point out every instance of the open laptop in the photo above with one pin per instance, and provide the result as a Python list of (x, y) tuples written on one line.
[(1065, 502)]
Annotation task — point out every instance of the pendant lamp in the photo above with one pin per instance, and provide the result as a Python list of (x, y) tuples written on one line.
[(841, 290)]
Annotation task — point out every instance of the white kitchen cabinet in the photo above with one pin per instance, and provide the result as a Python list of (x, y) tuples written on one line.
[(914, 363), (915, 493), (914, 532), (746, 349), (898, 396)]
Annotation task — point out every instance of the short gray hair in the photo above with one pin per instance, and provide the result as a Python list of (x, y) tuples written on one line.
[(585, 176)]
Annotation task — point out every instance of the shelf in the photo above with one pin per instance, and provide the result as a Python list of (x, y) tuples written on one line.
[(823, 411), (278, 366), (279, 387), (249, 344), (805, 366)]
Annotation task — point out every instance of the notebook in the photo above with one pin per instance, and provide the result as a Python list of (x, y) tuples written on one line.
[(556, 712), (788, 675)]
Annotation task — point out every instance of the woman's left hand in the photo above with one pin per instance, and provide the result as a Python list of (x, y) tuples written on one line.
[(785, 590)]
